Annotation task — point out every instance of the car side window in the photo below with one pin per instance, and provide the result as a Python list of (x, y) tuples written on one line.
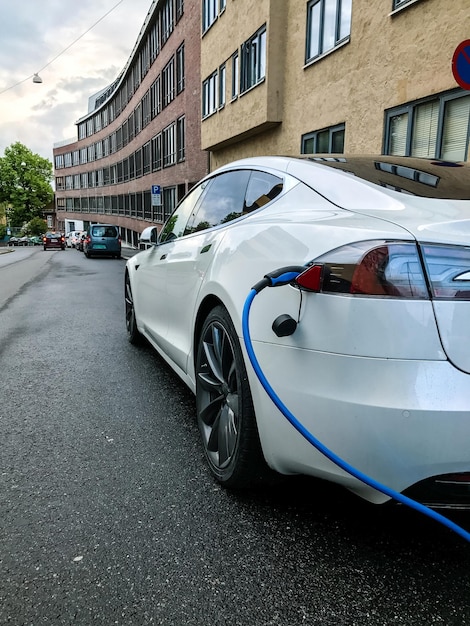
[(262, 188), (175, 225), (222, 203)]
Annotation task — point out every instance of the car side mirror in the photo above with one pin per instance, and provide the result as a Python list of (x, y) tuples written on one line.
[(148, 237)]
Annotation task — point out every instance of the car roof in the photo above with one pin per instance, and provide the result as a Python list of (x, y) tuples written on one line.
[(430, 178)]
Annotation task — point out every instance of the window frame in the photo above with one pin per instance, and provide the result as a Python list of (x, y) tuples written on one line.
[(252, 68), (339, 39), (209, 95), (315, 134), (410, 109)]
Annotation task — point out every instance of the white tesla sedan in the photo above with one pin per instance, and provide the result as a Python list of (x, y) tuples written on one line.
[(368, 347)]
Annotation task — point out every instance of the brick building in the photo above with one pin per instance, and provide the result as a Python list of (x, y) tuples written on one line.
[(142, 130)]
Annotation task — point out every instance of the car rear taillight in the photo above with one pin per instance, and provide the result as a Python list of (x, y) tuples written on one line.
[(369, 268), (448, 270)]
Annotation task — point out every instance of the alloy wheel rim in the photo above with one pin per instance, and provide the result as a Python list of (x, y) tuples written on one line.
[(218, 396)]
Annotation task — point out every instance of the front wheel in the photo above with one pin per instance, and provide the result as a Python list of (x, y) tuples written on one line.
[(225, 412), (133, 334)]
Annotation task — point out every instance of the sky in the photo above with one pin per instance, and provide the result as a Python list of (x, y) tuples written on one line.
[(32, 34)]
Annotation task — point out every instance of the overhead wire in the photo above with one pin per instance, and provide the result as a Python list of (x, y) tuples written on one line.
[(64, 50)]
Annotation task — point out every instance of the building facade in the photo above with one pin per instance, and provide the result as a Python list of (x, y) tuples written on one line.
[(141, 133), (211, 81), (344, 76)]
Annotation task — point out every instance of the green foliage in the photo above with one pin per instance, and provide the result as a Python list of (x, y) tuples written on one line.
[(3, 232), (25, 183), (36, 226)]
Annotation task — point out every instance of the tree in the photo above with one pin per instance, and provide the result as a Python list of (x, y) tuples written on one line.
[(25, 183), (36, 226)]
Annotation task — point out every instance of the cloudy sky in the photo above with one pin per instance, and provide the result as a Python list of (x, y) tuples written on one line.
[(32, 34)]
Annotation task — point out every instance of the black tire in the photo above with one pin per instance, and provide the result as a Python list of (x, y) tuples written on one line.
[(88, 255), (225, 412), (133, 335)]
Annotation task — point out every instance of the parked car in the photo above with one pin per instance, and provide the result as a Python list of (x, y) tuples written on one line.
[(53, 240), (102, 240), (35, 240), (367, 342), (13, 241), (80, 240), (72, 238)]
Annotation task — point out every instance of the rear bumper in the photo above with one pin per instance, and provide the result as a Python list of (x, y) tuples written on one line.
[(399, 422)]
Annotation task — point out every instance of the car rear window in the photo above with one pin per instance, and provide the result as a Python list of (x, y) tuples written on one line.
[(104, 231)]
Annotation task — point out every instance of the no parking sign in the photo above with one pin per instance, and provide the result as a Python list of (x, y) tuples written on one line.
[(461, 64)]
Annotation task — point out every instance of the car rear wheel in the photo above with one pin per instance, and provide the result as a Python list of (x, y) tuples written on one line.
[(225, 412), (133, 334)]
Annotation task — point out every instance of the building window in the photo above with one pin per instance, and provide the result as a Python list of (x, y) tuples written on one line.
[(235, 75), (399, 3), (180, 139), (179, 9), (59, 161), (169, 201), (168, 82), (209, 13), (154, 37), (209, 95), (437, 127), (323, 141), (157, 153), (156, 97), (222, 86), (328, 25), (180, 69), (146, 152), (169, 145), (222, 4), (167, 19), (253, 60)]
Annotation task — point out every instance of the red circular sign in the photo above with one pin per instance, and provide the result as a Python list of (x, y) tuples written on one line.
[(461, 64)]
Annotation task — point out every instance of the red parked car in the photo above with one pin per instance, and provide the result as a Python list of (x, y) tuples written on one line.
[(53, 240)]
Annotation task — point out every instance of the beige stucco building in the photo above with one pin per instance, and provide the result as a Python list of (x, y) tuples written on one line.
[(373, 76)]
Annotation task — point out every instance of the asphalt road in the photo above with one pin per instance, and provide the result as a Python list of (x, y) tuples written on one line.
[(108, 514)]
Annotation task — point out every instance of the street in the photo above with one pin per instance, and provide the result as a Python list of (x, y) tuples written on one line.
[(108, 513)]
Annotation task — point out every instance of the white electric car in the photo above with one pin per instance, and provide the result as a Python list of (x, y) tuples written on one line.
[(369, 348)]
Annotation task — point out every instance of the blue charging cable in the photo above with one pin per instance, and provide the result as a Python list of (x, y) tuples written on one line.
[(285, 276)]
